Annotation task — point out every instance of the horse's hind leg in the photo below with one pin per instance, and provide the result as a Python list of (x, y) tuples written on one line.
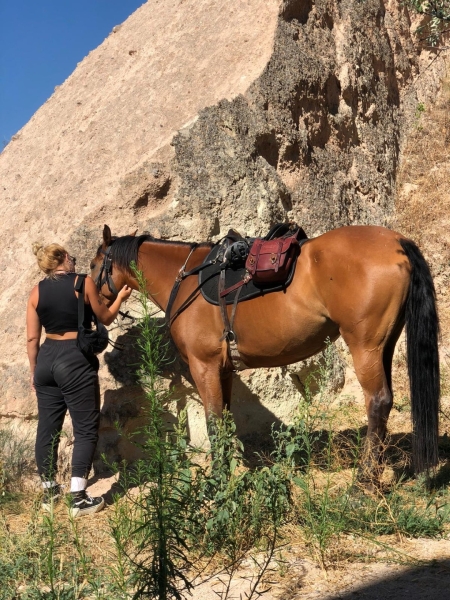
[(227, 384), (388, 352), (369, 368)]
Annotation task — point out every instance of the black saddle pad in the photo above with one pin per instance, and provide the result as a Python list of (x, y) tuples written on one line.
[(208, 279)]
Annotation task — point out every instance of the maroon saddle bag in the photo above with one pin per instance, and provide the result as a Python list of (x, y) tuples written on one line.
[(270, 261)]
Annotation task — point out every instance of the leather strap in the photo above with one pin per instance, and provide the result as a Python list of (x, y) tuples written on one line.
[(236, 286), (223, 306), (179, 278), (280, 248), (105, 273), (79, 287), (170, 319), (228, 333)]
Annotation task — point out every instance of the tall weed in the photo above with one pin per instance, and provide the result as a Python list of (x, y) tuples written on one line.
[(244, 509), (180, 515), (151, 527)]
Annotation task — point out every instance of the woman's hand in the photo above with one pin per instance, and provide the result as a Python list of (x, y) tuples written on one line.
[(124, 293), (104, 314)]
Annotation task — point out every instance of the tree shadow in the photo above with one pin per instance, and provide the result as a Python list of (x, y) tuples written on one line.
[(122, 407)]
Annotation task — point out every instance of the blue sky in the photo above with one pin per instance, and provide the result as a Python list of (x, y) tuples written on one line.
[(41, 42)]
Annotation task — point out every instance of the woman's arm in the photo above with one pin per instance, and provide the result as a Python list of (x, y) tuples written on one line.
[(104, 314), (34, 329)]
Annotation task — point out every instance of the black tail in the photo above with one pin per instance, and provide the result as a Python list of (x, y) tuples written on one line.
[(422, 333)]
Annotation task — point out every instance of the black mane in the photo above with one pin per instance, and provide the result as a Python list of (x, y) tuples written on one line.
[(125, 249)]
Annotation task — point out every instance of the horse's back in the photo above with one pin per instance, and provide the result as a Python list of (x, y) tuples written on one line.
[(353, 255), (361, 241)]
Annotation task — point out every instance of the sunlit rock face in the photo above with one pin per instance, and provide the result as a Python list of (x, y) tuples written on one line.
[(194, 117)]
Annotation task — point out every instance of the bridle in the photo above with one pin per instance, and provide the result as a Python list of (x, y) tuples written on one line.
[(105, 276), (105, 273)]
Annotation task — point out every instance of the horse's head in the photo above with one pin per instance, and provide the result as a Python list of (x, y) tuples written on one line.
[(108, 277)]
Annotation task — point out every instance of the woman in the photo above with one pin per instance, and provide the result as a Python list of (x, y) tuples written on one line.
[(62, 376)]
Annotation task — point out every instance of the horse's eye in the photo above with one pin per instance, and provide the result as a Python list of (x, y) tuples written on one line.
[(92, 266)]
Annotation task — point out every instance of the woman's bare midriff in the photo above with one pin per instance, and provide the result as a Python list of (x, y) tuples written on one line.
[(69, 335)]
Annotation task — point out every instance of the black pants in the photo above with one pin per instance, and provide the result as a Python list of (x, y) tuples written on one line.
[(66, 380)]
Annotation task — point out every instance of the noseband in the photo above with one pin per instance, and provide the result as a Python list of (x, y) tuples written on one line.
[(105, 273)]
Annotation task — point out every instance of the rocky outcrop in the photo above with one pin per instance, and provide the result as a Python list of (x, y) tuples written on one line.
[(194, 117), (317, 136)]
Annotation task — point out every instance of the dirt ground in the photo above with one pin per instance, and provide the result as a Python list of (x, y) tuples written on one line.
[(413, 569)]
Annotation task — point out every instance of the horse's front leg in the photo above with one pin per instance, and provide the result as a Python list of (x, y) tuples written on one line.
[(213, 385)]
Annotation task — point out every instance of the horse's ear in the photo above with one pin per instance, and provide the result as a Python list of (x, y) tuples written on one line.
[(107, 237), (133, 234)]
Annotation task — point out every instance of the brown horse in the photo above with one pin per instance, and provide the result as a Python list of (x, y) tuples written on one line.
[(362, 282)]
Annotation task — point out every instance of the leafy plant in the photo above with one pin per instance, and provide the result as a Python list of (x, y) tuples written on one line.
[(245, 509), (437, 13), (182, 514)]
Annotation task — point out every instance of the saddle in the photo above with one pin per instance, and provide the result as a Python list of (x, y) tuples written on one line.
[(257, 265), (238, 269)]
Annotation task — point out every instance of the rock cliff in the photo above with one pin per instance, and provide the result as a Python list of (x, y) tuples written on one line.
[(196, 116)]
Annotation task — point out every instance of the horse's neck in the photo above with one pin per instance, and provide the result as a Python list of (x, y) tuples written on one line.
[(160, 263)]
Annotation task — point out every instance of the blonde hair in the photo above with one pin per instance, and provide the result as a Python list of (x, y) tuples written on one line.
[(49, 257)]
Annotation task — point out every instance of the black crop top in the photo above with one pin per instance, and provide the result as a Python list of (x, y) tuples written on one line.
[(57, 306)]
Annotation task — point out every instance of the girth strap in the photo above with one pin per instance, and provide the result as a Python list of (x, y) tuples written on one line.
[(228, 333)]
